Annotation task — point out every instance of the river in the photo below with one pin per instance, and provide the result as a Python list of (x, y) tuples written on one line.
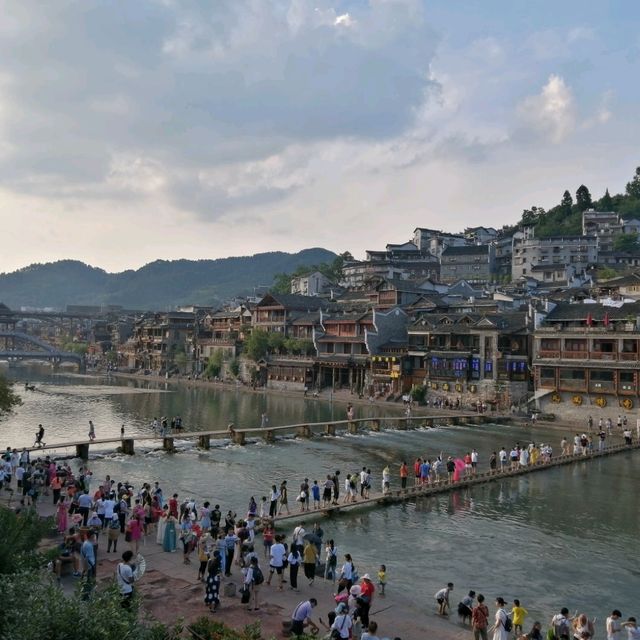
[(563, 537)]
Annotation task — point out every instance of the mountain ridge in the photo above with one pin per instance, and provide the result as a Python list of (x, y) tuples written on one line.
[(156, 285)]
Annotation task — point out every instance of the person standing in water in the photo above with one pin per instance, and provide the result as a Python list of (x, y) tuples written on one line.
[(92, 431)]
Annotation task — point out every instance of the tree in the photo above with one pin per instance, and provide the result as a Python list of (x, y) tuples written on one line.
[(583, 198), (566, 203), (627, 242), (281, 283), (606, 202), (633, 187), (214, 364), (234, 367), (275, 342), (606, 273), (8, 398), (532, 216), (257, 344), (181, 360)]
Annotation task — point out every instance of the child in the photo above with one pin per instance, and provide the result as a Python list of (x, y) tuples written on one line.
[(519, 614), (315, 492), (382, 578), (442, 598)]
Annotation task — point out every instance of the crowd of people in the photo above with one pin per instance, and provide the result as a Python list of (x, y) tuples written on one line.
[(89, 510)]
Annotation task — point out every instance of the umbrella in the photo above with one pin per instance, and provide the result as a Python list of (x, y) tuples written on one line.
[(312, 538), (140, 567)]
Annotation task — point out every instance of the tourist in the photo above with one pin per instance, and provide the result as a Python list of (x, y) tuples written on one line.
[(503, 458), (264, 421), (273, 504), (602, 436), (386, 481), (310, 558), (277, 554), (39, 435), (493, 462), (561, 624), (92, 431), (170, 537), (370, 633), (564, 446), (315, 494), (331, 561), (480, 619), (500, 621), (582, 625), (535, 633), (343, 623), (474, 462), (301, 617), (203, 556), (268, 537), (417, 466), (382, 578), (518, 614), (303, 497), (336, 486), (294, 559), (614, 625), (367, 590), (404, 474), (465, 607), (627, 436), (84, 504), (346, 574), (133, 534), (113, 533), (633, 631), (442, 598), (87, 553), (253, 580), (451, 467), (212, 589), (125, 578), (264, 509), (62, 509), (284, 498), (326, 491)]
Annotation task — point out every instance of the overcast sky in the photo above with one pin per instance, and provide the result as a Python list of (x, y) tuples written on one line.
[(139, 130)]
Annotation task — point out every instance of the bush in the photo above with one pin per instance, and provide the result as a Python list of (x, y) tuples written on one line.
[(418, 393)]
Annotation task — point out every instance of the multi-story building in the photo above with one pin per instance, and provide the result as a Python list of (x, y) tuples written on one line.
[(277, 311), (435, 242), (587, 359), (480, 235), (471, 356), (314, 284), (580, 252), (473, 263)]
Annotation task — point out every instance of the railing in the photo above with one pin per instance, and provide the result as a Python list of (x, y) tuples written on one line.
[(548, 353), (624, 355), (572, 385), (575, 355), (602, 387), (603, 355)]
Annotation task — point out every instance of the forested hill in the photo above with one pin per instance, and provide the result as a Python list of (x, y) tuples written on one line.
[(566, 217), (158, 285)]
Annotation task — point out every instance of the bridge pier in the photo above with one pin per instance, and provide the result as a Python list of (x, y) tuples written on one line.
[(428, 422), (204, 442), (238, 437), (269, 436), (352, 427), (402, 425), (303, 431), (82, 451), (167, 444), (330, 429), (374, 425), (127, 446)]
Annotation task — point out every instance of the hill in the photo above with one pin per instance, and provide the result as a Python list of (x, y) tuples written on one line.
[(158, 285)]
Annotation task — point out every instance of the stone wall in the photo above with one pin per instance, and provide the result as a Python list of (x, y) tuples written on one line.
[(566, 410)]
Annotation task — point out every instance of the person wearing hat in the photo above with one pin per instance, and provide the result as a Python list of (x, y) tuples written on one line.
[(343, 623), (367, 590), (499, 626)]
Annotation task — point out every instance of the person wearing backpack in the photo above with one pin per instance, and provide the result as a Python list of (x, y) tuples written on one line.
[(253, 580), (480, 619), (502, 622)]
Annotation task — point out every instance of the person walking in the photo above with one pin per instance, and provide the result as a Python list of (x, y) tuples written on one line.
[(284, 498), (330, 561), (480, 619), (404, 474), (253, 580), (212, 589), (310, 557), (294, 559), (500, 621), (276, 564), (113, 533)]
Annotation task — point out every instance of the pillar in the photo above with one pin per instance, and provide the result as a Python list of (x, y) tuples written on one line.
[(269, 436), (428, 422), (127, 446), (353, 427), (374, 425), (303, 431), (204, 441), (402, 424), (330, 429), (167, 445), (238, 437), (82, 451)]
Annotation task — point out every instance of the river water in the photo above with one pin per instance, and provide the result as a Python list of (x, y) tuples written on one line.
[(562, 537)]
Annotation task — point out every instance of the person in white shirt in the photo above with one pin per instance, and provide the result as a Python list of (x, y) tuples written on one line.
[(499, 631), (633, 631), (125, 578), (474, 462), (276, 563), (343, 622)]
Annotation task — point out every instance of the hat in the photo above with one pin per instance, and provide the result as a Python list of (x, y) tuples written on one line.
[(500, 601), (355, 590), (342, 608), (366, 576)]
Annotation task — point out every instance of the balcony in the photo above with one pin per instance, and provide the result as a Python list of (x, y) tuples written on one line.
[(625, 355), (603, 355), (572, 385), (548, 353), (575, 355)]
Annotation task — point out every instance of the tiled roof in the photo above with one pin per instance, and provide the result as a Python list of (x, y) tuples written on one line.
[(466, 251), (578, 311)]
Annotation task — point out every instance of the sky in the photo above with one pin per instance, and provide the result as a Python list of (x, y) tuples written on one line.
[(166, 129)]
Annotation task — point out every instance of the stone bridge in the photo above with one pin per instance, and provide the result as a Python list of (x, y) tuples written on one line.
[(15, 345)]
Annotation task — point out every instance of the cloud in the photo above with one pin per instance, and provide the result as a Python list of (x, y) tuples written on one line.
[(552, 112)]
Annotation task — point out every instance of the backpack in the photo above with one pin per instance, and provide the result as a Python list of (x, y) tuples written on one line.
[(508, 624), (258, 577)]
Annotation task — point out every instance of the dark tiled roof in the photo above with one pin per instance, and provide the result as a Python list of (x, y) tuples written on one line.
[(548, 267), (293, 301), (577, 311), (471, 250)]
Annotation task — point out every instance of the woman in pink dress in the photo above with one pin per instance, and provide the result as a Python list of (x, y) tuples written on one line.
[(62, 509), (134, 528)]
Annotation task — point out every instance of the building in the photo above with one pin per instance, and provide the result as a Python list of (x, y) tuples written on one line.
[(623, 287), (480, 235), (473, 263), (277, 311), (434, 242), (471, 356), (314, 284), (587, 359), (580, 252)]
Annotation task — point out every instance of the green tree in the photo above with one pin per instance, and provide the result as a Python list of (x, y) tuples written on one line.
[(21, 533), (566, 204), (627, 242), (181, 360), (606, 202), (281, 283), (214, 364), (583, 198), (8, 398), (257, 344), (606, 273), (234, 367), (80, 348), (633, 187), (276, 342)]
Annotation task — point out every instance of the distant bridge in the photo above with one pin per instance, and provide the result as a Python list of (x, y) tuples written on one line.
[(15, 345)]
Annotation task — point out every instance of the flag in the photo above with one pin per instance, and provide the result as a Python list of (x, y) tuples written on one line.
[(589, 319), (606, 319)]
